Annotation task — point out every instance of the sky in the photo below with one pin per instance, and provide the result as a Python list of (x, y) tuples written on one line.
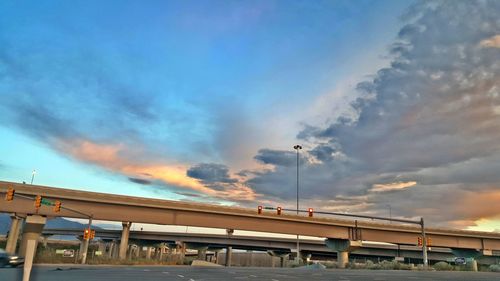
[(395, 103)]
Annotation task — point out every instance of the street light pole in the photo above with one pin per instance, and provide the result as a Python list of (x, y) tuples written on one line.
[(297, 148), (33, 176), (424, 244), (86, 243)]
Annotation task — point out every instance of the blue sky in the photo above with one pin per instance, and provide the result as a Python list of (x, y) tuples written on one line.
[(203, 100)]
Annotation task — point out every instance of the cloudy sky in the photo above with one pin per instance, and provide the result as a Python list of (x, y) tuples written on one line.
[(396, 103)]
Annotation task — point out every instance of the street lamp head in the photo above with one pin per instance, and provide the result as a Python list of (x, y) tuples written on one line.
[(297, 147)]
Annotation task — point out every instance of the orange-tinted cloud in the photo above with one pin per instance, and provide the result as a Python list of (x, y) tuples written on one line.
[(479, 205), (112, 157), (103, 154)]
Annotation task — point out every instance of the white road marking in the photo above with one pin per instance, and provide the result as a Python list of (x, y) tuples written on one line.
[(275, 280), (181, 276), (253, 276), (166, 272), (146, 269)]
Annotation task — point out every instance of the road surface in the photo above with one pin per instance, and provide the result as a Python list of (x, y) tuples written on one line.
[(184, 273)]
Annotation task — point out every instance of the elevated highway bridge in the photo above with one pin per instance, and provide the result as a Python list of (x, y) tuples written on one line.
[(342, 235), (316, 248)]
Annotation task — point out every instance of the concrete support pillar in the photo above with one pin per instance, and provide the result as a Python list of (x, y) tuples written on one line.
[(342, 247), (160, 252), (282, 261), (216, 256), (111, 249), (202, 254), (124, 240), (342, 259), (31, 232), (229, 253), (181, 249), (282, 255), (148, 253), (135, 251), (45, 240), (250, 252), (14, 231), (473, 265)]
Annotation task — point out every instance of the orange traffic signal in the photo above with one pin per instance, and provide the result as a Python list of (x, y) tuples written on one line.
[(86, 234), (310, 211), (38, 202), (278, 210), (92, 234), (9, 196), (429, 241), (57, 206), (259, 210), (420, 241)]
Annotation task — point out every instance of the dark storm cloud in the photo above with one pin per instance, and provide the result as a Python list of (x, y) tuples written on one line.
[(432, 117), (211, 173), (140, 181), (276, 157), (324, 152)]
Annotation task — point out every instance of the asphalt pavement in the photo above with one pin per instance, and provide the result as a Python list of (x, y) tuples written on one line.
[(186, 273)]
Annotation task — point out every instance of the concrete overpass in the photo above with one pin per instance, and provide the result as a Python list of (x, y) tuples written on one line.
[(316, 248), (343, 235)]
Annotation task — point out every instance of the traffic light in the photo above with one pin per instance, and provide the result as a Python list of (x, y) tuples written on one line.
[(9, 196), (278, 210), (420, 242), (57, 206), (92, 234), (429, 241), (310, 211), (86, 234), (259, 210), (38, 202)]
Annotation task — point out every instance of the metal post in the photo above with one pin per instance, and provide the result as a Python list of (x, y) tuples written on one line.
[(297, 181), (86, 244), (424, 244), (298, 241), (298, 147)]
